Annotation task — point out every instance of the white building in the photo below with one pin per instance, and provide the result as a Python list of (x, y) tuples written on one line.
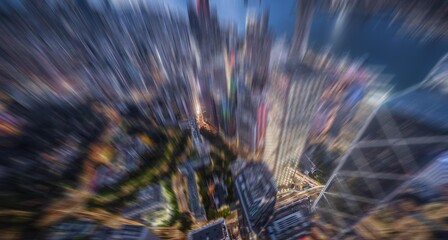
[(294, 96)]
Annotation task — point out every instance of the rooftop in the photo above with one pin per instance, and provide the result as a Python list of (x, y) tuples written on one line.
[(216, 230), (290, 220), (257, 193)]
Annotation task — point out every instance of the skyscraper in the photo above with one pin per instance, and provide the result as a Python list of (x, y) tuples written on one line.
[(305, 11), (247, 121), (427, 191), (203, 8), (257, 50), (294, 95), (208, 47), (403, 136), (252, 109), (212, 230), (256, 192), (291, 218), (375, 94)]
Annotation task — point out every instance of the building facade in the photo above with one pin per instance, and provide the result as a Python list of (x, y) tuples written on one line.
[(213, 230), (291, 218), (256, 192), (305, 11), (402, 137), (294, 99)]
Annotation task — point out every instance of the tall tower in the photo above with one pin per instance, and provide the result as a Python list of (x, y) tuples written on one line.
[(203, 8), (256, 193), (252, 109), (305, 11), (257, 50), (403, 136), (208, 45), (294, 99), (375, 94)]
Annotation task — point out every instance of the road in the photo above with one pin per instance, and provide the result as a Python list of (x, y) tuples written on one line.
[(304, 178), (294, 195)]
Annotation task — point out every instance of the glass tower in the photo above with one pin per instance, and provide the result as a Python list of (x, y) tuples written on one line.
[(401, 138)]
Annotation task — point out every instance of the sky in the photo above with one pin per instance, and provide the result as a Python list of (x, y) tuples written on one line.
[(281, 12), (281, 16)]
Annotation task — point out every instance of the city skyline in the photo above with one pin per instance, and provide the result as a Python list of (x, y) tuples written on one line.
[(212, 120)]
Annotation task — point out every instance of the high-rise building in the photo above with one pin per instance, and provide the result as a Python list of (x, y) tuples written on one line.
[(252, 108), (426, 191), (252, 116), (339, 101), (224, 94), (229, 97), (437, 173), (291, 218), (203, 8), (257, 50), (212, 230), (262, 115), (341, 139), (247, 121), (305, 11), (256, 193), (403, 136), (293, 102), (208, 47)]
